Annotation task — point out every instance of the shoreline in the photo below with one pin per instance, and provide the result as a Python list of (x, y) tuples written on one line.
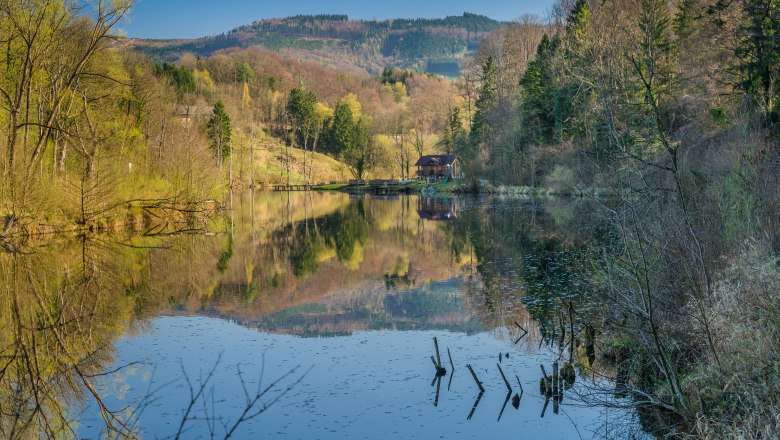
[(454, 188), (157, 219)]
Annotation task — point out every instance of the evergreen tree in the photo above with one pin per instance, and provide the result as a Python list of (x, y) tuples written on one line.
[(182, 77), (244, 73), (485, 101), (342, 131), (687, 15), (577, 22), (387, 76), (220, 132), (759, 54), (541, 98), (303, 116), (452, 131)]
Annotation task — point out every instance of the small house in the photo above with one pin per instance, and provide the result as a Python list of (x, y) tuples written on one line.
[(188, 114), (439, 166)]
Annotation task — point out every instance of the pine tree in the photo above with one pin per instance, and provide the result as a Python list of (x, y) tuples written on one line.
[(301, 108), (541, 97), (577, 22), (244, 73), (220, 132), (487, 93), (342, 131), (687, 15), (759, 54), (452, 131)]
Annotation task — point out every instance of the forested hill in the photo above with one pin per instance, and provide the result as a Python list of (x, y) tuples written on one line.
[(434, 45)]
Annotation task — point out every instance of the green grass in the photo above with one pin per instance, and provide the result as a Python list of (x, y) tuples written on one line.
[(331, 186)]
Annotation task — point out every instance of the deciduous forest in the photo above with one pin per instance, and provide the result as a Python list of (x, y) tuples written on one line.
[(671, 107), (664, 112)]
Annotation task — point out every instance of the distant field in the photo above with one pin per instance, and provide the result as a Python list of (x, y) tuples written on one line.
[(270, 169)]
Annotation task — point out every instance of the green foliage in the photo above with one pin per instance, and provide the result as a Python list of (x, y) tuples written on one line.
[(453, 132), (652, 59), (342, 129), (578, 20), (220, 132), (487, 93), (394, 75), (421, 44), (359, 154), (541, 103), (225, 256), (244, 73), (410, 41), (759, 54), (738, 201), (688, 14), (180, 77), (273, 41), (305, 250), (271, 83), (720, 117), (353, 229), (303, 116)]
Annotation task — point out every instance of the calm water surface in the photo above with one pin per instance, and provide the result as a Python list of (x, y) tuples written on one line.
[(339, 297)]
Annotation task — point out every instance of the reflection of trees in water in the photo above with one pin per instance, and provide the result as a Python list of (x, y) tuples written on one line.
[(345, 231), (63, 306), (59, 322), (350, 257), (533, 268), (61, 310)]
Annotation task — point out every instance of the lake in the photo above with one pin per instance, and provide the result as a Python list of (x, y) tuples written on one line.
[(313, 316)]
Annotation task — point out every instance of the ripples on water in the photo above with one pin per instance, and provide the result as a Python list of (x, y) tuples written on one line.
[(355, 289)]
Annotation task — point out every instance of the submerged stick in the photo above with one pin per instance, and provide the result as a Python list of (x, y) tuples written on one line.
[(544, 373), (438, 357), (476, 403), (519, 383), (546, 402), (473, 374), (440, 371), (438, 387), (508, 396), (451, 363), (506, 382)]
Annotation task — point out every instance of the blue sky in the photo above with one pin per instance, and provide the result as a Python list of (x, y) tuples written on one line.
[(197, 18)]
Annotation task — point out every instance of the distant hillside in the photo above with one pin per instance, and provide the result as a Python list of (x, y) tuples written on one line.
[(433, 45)]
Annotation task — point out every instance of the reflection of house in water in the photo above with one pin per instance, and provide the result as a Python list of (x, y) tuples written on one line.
[(438, 209)]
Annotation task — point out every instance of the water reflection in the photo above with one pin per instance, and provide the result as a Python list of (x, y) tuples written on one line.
[(497, 282), (438, 208)]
